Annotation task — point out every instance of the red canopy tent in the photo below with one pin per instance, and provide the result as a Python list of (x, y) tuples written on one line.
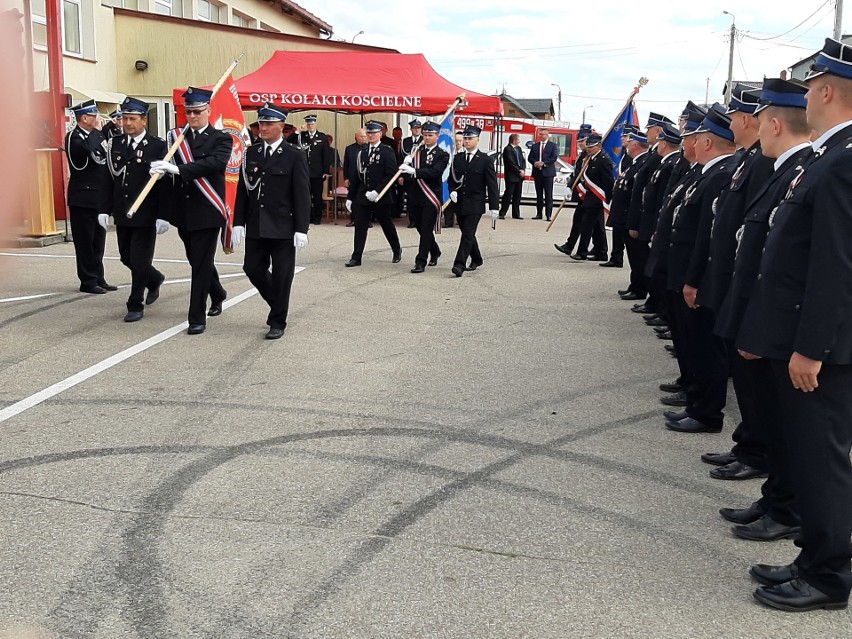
[(355, 82)]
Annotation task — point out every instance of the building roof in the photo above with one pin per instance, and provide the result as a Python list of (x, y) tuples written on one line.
[(291, 8), (753, 84), (537, 105), (812, 57)]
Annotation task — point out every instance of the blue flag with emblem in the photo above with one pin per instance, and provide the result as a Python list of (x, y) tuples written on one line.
[(447, 141), (612, 142)]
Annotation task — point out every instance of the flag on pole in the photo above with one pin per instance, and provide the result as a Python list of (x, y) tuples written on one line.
[(226, 114), (612, 143), (447, 141)]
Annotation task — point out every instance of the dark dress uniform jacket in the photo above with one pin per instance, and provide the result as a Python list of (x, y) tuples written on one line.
[(678, 171), (475, 182), (598, 171), (637, 197), (658, 259), (87, 164), (802, 298), (513, 162), (318, 152), (729, 211), (692, 220), (750, 245), (379, 166), (409, 143), (192, 211), (430, 169), (653, 195), (129, 170), (622, 191)]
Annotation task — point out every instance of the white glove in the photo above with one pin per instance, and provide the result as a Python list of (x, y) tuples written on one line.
[(161, 166), (407, 169), (103, 220), (300, 241), (162, 226), (348, 206), (408, 159), (454, 196), (237, 235), (494, 214), (373, 196)]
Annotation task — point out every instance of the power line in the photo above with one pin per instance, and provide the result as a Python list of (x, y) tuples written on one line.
[(794, 28)]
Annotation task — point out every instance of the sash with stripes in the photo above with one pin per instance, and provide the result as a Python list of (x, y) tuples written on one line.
[(433, 199), (597, 191), (203, 184)]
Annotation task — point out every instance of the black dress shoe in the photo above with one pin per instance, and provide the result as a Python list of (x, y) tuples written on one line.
[(650, 317), (737, 471), (743, 515), (766, 529), (410, 226), (671, 349), (517, 218), (657, 322), (665, 335), (434, 260), (397, 257), (195, 329), (596, 258), (611, 264), (797, 596), (690, 425), (353, 262), (275, 333), (536, 217), (351, 223), (417, 269), (578, 257), (473, 266), (632, 296), (501, 217), (671, 387), (215, 309), (94, 290), (719, 459), (154, 292), (675, 415), (624, 291), (458, 271), (562, 248), (107, 286), (773, 575), (661, 329), (640, 308), (548, 218), (675, 399), (133, 316)]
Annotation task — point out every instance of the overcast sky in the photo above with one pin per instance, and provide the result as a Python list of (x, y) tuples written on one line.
[(595, 51)]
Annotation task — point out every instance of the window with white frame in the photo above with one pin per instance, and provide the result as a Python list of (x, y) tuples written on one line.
[(240, 20), (71, 26), (163, 7), (38, 11), (208, 11), (126, 4)]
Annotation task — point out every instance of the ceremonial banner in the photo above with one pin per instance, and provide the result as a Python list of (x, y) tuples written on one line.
[(447, 141), (226, 114), (612, 143)]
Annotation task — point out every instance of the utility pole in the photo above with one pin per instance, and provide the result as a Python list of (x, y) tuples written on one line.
[(707, 93), (558, 100), (838, 19), (733, 37)]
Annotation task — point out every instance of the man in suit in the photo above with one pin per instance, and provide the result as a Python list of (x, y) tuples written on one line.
[(784, 136), (85, 147), (272, 213), (376, 165), (319, 156), (473, 185), (426, 173), (798, 319), (350, 161), (513, 170), (636, 149), (543, 156), (408, 185), (596, 184), (129, 160), (198, 209)]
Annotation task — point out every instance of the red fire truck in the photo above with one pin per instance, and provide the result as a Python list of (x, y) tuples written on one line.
[(495, 136)]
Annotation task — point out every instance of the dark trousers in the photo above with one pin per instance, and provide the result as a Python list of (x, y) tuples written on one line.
[(398, 198), (619, 235), (468, 246), (676, 310), (638, 251), (382, 214), (274, 286), (426, 216), (136, 248), (200, 247), (764, 426), (574, 233), (750, 434), (317, 205), (817, 436), (89, 242), (414, 210), (707, 384), (449, 215), (543, 195), (591, 228), (512, 195)]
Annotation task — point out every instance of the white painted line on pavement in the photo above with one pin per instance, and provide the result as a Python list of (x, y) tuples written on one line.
[(26, 297), (59, 387), (110, 257)]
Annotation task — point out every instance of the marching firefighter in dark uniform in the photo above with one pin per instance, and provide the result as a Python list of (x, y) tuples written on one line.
[(597, 181), (473, 185), (426, 193), (409, 186), (272, 214), (376, 165), (319, 154), (198, 208), (129, 159), (85, 146)]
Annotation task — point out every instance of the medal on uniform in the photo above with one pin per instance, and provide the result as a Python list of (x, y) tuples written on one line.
[(795, 182)]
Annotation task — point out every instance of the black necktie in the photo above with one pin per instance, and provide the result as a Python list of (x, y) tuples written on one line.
[(268, 152)]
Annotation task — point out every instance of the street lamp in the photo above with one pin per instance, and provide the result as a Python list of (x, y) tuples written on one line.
[(731, 56), (356, 35), (558, 100), (584, 111)]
